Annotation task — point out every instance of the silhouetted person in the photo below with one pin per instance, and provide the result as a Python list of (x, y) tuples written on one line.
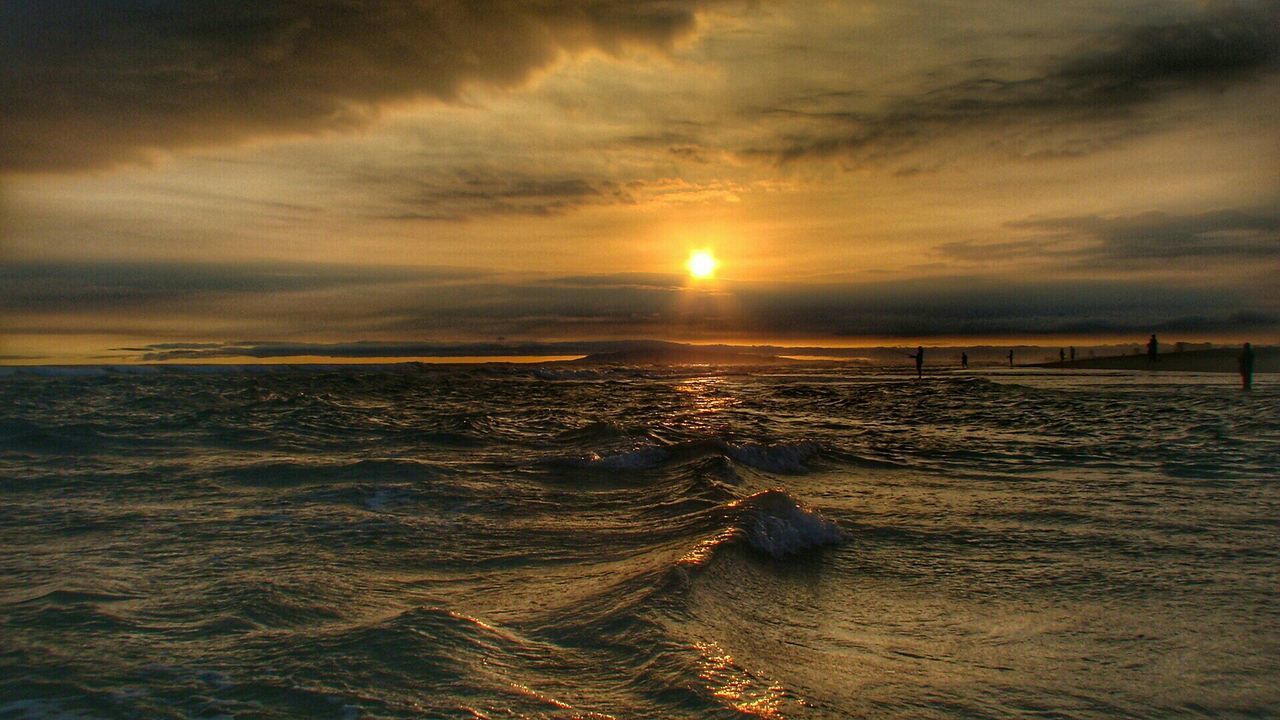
[(1010, 358), (1153, 348), (919, 356), (964, 360), (1073, 353), (1062, 356), (1246, 367)]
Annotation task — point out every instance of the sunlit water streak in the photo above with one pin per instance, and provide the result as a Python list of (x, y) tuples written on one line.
[(561, 542)]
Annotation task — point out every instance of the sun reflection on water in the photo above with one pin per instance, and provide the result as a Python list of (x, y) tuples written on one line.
[(706, 393), (736, 687)]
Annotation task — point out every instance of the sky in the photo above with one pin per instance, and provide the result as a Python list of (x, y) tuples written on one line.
[(322, 173)]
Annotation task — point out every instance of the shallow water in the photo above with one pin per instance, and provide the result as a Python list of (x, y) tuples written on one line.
[(416, 541)]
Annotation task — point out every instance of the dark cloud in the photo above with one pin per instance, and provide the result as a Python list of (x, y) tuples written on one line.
[(979, 306), (468, 195), (386, 349), (442, 305), (1157, 236), (1152, 239), (93, 82), (430, 195), (114, 286), (1098, 89)]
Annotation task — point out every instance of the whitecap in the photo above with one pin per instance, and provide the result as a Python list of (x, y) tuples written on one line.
[(777, 524), (771, 522)]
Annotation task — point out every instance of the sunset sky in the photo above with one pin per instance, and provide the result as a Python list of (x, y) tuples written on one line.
[(179, 175)]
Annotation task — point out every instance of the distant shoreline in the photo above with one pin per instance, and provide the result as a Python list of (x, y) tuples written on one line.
[(1214, 360), (1217, 360)]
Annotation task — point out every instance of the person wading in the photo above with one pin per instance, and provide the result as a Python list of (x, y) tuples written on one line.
[(1246, 367)]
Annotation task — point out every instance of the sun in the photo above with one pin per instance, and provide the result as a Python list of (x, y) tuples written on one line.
[(702, 264)]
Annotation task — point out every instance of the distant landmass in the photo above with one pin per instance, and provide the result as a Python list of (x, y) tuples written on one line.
[(677, 354), (1196, 357)]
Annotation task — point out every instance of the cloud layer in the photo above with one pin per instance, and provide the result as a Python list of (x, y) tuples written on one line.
[(441, 305), (1150, 240), (141, 75), (1079, 103)]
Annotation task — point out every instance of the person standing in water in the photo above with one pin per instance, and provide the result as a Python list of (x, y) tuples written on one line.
[(1246, 367), (964, 360), (1010, 358), (919, 356), (1153, 348)]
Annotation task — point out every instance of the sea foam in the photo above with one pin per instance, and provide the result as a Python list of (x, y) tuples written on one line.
[(770, 522), (777, 524)]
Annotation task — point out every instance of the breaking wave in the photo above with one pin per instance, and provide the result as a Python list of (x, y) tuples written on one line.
[(771, 522)]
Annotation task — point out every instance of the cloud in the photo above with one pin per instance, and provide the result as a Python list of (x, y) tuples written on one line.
[(1152, 239), (471, 194), (165, 302), (424, 195), (985, 306), (90, 83), (80, 286), (1078, 105)]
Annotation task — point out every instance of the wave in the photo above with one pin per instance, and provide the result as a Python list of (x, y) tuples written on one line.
[(437, 662), (553, 374), (289, 472), (637, 459), (770, 522), (596, 431), (788, 458), (781, 457)]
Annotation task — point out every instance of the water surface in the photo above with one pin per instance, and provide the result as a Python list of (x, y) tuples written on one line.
[(562, 542)]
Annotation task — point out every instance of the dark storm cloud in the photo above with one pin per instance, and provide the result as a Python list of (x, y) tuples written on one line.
[(1146, 239), (92, 82), (1103, 84)]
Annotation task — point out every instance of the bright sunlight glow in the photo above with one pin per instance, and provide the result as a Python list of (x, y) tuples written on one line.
[(702, 264)]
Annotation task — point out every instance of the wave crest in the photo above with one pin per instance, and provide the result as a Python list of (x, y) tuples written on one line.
[(771, 522), (778, 524), (781, 457)]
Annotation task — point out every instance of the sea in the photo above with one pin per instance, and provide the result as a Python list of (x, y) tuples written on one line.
[(563, 541)]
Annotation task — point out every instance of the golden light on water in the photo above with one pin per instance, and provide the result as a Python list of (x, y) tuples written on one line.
[(702, 264), (743, 691)]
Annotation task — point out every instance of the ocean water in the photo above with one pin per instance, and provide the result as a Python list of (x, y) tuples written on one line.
[(565, 542)]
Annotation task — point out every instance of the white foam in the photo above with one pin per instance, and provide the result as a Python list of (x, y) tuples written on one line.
[(775, 523), (771, 522)]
